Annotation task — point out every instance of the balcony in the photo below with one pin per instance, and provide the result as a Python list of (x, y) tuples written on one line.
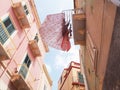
[(33, 45), (78, 20), (79, 28), (19, 82), (20, 14), (3, 53)]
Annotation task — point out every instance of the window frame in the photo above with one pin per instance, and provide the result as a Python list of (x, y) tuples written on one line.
[(36, 38), (26, 10), (8, 35), (26, 66), (79, 73), (45, 87), (10, 24)]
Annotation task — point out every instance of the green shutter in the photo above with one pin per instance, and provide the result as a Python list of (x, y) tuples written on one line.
[(9, 26), (80, 76), (25, 66)]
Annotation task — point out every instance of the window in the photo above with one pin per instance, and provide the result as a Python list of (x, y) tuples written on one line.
[(26, 9), (61, 79), (9, 27), (25, 66), (36, 37), (3, 35), (45, 88), (80, 76)]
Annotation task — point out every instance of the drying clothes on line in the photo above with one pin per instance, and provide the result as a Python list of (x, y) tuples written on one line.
[(55, 32)]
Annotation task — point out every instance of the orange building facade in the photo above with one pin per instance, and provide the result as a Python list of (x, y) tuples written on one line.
[(100, 50), (21, 48), (71, 78)]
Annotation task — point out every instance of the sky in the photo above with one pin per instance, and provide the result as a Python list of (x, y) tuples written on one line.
[(57, 60)]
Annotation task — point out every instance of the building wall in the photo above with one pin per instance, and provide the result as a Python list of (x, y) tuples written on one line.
[(68, 83), (102, 44), (82, 62), (112, 70), (17, 47), (100, 15), (70, 76)]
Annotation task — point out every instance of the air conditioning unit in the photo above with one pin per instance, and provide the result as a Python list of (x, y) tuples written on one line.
[(79, 28), (3, 53), (20, 14), (34, 48)]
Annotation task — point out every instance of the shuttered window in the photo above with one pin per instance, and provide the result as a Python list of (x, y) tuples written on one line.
[(9, 29), (80, 76), (36, 37), (26, 9), (9, 26), (25, 67), (45, 88), (3, 35)]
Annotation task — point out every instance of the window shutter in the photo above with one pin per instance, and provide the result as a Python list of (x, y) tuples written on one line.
[(80, 76), (3, 35)]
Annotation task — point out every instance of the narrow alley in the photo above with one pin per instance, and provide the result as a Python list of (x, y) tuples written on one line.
[(59, 44)]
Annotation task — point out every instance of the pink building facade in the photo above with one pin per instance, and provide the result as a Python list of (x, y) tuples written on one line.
[(21, 48)]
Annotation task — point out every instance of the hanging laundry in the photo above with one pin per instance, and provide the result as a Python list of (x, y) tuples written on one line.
[(116, 2), (54, 32), (65, 33)]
